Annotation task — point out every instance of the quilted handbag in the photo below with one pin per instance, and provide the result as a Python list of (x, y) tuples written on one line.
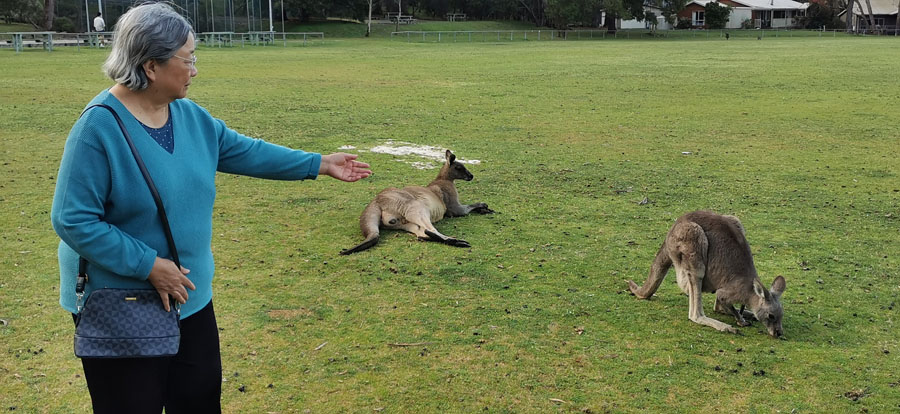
[(126, 323)]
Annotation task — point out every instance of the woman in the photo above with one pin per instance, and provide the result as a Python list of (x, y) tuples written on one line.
[(103, 211)]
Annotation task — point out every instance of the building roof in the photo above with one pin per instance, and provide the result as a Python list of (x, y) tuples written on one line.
[(770, 4), (773, 4), (878, 7)]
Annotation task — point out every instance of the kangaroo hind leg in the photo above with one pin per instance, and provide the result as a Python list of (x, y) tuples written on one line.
[(438, 237), (689, 257), (422, 219), (428, 235)]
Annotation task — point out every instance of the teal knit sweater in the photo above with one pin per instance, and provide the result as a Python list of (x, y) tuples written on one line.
[(103, 211)]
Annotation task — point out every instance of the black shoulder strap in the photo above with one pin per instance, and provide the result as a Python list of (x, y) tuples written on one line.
[(82, 263)]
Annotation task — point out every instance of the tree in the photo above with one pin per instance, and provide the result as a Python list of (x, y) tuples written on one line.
[(622, 9), (869, 20), (872, 18), (26, 11), (716, 15), (651, 18), (819, 16), (399, 14), (306, 9), (49, 14), (436, 8), (563, 13), (536, 10), (369, 21), (850, 26), (670, 9)]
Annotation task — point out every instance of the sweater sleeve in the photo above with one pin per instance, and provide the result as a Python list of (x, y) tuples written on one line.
[(82, 187), (242, 155)]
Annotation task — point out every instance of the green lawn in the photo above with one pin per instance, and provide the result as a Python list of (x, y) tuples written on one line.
[(358, 30), (797, 137), (16, 27)]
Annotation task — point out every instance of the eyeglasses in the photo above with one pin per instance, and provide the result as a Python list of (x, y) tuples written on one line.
[(192, 60)]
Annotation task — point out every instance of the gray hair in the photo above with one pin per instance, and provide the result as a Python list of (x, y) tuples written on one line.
[(151, 31)]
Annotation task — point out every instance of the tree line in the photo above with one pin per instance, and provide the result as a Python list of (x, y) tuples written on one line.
[(61, 14), (69, 15)]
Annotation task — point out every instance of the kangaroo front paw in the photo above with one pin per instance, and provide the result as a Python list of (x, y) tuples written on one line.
[(635, 289), (749, 316), (482, 208), (457, 243)]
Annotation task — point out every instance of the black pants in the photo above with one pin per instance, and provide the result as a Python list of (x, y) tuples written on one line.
[(189, 382)]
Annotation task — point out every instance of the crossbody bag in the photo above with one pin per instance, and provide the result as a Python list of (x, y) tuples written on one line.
[(126, 323)]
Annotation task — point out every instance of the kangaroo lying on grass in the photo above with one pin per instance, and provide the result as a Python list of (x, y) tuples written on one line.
[(415, 208), (711, 254)]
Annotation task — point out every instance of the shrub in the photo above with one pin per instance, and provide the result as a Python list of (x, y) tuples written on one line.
[(64, 24), (650, 18), (819, 15), (717, 15)]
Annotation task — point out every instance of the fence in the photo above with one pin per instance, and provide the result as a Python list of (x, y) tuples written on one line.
[(48, 40), (882, 30), (230, 39), (20, 41), (548, 35)]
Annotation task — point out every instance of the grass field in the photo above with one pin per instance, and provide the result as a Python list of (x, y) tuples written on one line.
[(797, 137), (354, 30), (16, 27)]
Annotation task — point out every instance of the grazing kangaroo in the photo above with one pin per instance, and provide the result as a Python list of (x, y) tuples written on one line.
[(415, 208), (710, 254)]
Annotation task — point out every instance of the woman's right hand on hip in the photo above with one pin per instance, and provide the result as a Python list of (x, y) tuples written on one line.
[(169, 281)]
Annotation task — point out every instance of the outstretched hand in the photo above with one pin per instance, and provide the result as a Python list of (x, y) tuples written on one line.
[(344, 167)]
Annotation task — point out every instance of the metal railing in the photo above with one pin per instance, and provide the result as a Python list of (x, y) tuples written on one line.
[(19, 41), (887, 30), (230, 39), (593, 34)]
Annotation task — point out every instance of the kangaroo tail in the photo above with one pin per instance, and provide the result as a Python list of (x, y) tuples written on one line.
[(658, 270), (368, 223)]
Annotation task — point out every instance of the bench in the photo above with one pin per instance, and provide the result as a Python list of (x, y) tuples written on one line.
[(456, 17), (396, 17), (256, 38), (217, 38)]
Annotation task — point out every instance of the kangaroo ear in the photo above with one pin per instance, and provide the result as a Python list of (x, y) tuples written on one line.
[(778, 286), (450, 157), (759, 289)]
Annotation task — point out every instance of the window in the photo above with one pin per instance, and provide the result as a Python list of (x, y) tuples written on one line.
[(879, 21), (698, 18), (778, 14)]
